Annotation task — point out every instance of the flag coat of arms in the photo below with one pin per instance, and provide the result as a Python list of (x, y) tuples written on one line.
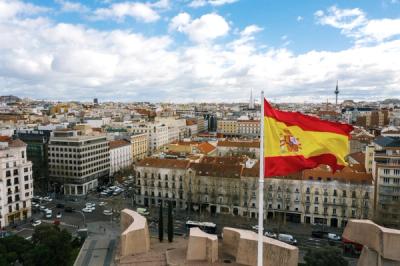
[(294, 141)]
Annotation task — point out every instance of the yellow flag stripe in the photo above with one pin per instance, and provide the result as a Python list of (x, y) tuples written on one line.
[(309, 143)]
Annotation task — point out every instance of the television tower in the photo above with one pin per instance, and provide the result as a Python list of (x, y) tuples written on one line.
[(251, 103), (337, 91)]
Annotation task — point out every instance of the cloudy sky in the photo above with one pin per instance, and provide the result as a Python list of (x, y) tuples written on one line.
[(200, 50)]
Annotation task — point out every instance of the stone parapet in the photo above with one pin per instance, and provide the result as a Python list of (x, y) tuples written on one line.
[(379, 242), (202, 246), (242, 244), (135, 236)]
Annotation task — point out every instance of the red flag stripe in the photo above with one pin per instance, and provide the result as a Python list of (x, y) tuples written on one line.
[(284, 165), (306, 122)]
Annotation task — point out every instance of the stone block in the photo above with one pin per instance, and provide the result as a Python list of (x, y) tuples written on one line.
[(135, 238), (202, 246), (242, 244)]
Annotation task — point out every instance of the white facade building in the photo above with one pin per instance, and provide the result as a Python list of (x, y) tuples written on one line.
[(157, 134), (120, 155), (16, 183)]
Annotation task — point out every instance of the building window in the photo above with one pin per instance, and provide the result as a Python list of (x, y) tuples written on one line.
[(386, 180), (386, 171)]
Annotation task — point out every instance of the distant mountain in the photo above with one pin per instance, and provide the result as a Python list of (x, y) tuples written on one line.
[(9, 99), (393, 101)]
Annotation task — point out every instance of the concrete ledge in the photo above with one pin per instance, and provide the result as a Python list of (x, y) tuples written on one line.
[(384, 241), (135, 237), (202, 246), (242, 244)]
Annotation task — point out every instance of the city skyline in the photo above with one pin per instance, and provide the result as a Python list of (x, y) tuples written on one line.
[(199, 51)]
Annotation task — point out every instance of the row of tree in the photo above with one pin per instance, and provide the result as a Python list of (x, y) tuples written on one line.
[(170, 225), (49, 246)]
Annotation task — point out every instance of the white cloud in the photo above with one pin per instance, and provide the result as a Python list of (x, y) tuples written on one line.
[(118, 11), (68, 6), (354, 23), (345, 19), (299, 18), (250, 30), (41, 58), (200, 3), (12, 8), (162, 4), (206, 28)]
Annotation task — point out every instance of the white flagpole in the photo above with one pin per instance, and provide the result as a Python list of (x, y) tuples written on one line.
[(261, 188)]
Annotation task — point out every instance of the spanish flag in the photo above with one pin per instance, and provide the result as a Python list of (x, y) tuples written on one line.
[(294, 141)]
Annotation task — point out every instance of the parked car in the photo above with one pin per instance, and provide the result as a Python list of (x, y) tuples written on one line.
[(107, 212), (334, 237), (255, 227), (48, 199), (35, 205), (289, 239), (87, 209), (142, 211), (36, 223), (102, 203), (42, 207), (59, 215), (270, 234), (49, 213)]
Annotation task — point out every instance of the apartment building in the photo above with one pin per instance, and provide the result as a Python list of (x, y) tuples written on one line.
[(120, 155), (238, 148), (77, 162), (157, 134), (161, 180), (229, 185), (140, 146), (227, 127), (248, 128), (16, 182), (386, 171)]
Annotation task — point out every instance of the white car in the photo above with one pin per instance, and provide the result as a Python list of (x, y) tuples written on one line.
[(36, 223), (270, 234), (90, 204), (48, 199), (102, 203), (87, 210), (334, 237), (59, 215), (107, 212), (42, 208), (34, 204)]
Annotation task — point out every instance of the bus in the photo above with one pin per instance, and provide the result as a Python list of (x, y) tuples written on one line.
[(207, 227)]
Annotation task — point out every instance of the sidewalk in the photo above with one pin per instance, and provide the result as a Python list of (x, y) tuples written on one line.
[(100, 246)]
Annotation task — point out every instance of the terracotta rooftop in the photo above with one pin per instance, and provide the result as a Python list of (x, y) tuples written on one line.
[(358, 156), (239, 144), (224, 160), (348, 174), (164, 163), (217, 170), (190, 122), (118, 143)]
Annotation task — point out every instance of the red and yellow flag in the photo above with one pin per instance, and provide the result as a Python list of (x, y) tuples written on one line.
[(293, 142)]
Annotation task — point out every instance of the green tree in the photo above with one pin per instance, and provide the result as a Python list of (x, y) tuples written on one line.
[(160, 224), (325, 256), (14, 248), (52, 246), (170, 223)]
